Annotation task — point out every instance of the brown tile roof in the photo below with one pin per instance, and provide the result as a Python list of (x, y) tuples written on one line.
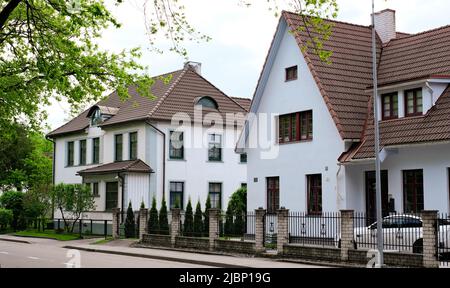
[(136, 166), (344, 81), (432, 127), (244, 102), (416, 56), (176, 96)]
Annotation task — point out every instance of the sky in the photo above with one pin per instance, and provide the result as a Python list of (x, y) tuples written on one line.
[(241, 37)]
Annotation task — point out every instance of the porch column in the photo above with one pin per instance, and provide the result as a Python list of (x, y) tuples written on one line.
[(143, 213), (115, 223), (430, 239), (175, 225), (283, 229), (347, 233), (260, 216), (213, 227)]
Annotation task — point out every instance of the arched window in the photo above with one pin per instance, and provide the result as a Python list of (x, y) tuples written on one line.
[(96, 117), (207, 102)]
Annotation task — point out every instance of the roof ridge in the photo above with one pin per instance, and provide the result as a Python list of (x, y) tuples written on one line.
[(243, 98), (421, 33), (167, 93), (331, 20)]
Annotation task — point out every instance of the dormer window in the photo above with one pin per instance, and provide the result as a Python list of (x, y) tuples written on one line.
[(413, 102), (208, 102), (98, 114), (390, 106), (96, 117)]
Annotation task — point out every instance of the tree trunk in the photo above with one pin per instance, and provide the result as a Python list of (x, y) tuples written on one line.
[(9, 8)]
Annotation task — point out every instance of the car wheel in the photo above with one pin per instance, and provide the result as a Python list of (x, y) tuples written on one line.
[(418, 247)]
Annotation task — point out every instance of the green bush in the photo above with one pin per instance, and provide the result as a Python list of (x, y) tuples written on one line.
[(188, 227), (198, 220), (6, 217), (206, 215), (153, 223), (130, 228), (163, 220), (229, 223), (13, 201)]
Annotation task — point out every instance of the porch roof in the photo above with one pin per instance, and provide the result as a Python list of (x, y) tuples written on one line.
[(136, 166)]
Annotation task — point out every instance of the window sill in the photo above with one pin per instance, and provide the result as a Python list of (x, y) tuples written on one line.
[(177, 160), (214, 161), (290, 80), (83, 165), (296, 142), (243, 163)]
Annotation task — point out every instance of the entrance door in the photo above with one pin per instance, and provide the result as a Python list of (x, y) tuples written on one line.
[(371, 207), (112, 195)]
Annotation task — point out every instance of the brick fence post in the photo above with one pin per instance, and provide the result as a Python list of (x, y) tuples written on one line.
[(115, 223), (175, 225), (347, 233), (143, 214), (283, 229), (213, 227), (430, 239), (260, 217)]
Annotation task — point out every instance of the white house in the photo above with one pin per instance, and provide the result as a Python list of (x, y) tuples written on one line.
[(319, 121), (138, 149)]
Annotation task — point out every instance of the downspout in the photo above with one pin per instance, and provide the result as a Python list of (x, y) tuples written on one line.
[(53, 172), (122, 180), (164, 158)]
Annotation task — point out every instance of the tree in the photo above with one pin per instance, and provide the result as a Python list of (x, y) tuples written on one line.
[(6, 217), (229, 222), (153, 226), (206, 214), (238, 201), (13, 201), (37, 206), (163, 219), (198, 221), (72, 200), (130, 228), (188, 227)]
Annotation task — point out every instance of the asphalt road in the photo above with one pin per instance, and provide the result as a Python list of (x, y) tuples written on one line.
[(43, 255)]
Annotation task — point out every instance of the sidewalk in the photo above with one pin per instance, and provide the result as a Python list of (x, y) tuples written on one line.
[(187, 257)]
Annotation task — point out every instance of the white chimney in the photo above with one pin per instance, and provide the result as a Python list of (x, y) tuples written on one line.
[(385, 25), (197, 66)]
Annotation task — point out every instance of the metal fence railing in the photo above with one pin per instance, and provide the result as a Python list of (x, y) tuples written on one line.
[(444, 239), (86, 227), (401, 232), (314, 229)]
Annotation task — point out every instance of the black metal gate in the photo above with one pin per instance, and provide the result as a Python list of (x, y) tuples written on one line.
[(270, 229), (443, 252)]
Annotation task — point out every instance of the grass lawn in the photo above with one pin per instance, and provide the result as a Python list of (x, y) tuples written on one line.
[(48, 234), (102, 241)]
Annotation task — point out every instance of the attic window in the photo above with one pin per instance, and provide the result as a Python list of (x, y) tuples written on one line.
[(208, 102), (96, 117), (291, 73)]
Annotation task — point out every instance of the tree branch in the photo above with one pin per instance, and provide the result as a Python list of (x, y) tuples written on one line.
[(9, 8)]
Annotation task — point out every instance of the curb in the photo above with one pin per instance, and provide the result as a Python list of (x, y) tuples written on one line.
[(194, 251), (165, 258), (15, 240)]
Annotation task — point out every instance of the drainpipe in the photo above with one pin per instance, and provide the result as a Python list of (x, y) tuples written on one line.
[(122, 180), (53, 171), (164, 157)]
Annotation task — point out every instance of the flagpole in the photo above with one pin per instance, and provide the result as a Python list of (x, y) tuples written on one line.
[(380, 240)]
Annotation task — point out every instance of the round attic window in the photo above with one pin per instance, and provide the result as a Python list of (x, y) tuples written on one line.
[(208, 102)]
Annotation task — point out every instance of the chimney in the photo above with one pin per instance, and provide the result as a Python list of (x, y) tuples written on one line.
[(385, 25), (197, 66)]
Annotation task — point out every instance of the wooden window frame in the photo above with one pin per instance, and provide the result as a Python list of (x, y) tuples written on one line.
[(172, 149), (70, 153), (415, 113), (414, 185), (82, 152), (288, 77), (243, 158), (116, 158), (172, 205), (213, 143), (313, 208), (130, 144), (95, 191), (95, 151), (272, 194), (215, 192), (298, 116), (391, 97)]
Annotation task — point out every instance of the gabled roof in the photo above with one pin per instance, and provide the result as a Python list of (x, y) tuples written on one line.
[(169, 98), (244, 102), (136, 166)]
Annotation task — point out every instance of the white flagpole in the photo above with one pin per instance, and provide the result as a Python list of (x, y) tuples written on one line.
[(380, 240)]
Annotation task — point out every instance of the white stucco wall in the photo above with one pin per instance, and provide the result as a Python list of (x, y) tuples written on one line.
[(296, 161), (433, 159)]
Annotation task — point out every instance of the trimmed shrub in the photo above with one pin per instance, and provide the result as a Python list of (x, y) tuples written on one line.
[(153, 223), (130, 228), (163, 220), (188, 228), (229, 223), (198, 220), (206, 215)]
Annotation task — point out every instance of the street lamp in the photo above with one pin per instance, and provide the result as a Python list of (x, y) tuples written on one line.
[(380, 240)]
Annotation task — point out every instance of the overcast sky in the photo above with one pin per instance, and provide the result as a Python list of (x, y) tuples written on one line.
[(241, 37)]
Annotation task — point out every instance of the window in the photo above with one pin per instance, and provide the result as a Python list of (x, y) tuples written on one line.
[(133, 145), (295, 127), (215, 195), (208, 102), (244, 185), (70, 152), (82, 152), (314, 194), (273, 194), (413, 191), (176, 194), (215, 147), (413, 102), (96, 117), (112, 192), (95, 190), (176, 147), (291, 73), (390, 106), (118, 147), (95, 150), (243, 158)]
